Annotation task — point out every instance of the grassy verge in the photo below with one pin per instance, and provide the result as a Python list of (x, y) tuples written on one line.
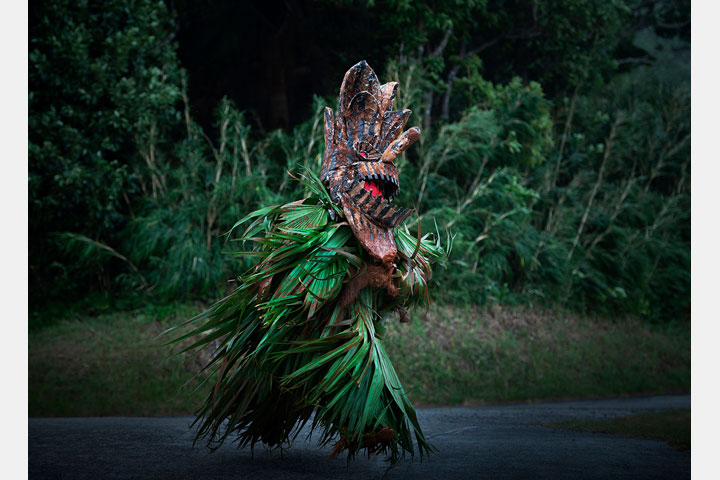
[(454, 356), (672, 427), (111, 364)]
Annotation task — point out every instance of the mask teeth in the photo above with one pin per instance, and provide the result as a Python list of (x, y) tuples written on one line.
[(389, 185)]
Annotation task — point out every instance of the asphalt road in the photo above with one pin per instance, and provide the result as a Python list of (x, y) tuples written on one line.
[(504, 442)]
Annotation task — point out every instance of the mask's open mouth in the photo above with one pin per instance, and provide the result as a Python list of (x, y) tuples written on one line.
[(372, 187), (372, 193), (378, 178), (380, 188)]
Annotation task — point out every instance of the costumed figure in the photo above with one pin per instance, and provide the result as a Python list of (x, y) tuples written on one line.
[(300, 338)]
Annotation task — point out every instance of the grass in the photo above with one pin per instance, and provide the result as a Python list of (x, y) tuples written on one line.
[(672, 426), (112, 363), (468, 356)]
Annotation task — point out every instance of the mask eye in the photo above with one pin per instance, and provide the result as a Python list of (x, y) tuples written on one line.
[(363, 156), (366, 151)]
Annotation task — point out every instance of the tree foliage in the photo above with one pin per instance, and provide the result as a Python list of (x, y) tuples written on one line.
[(103, 84), (555, 148)]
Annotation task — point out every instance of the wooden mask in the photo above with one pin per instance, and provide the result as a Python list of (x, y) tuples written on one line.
[(361, 143)]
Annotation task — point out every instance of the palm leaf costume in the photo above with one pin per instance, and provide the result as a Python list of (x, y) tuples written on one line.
[(300, 339)]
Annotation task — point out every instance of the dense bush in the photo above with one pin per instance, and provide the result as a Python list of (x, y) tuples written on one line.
[(597, 219), (566, 185), (104, 82)]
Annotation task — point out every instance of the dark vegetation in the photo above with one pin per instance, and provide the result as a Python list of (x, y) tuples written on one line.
[(555, 145)]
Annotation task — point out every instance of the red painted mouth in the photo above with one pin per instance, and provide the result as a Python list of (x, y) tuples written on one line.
[(373, 188)]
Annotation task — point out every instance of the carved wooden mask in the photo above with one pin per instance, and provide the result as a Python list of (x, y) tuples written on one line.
[(361, 143)]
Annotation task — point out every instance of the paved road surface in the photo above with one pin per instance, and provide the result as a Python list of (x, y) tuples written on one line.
[(504, 442)]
